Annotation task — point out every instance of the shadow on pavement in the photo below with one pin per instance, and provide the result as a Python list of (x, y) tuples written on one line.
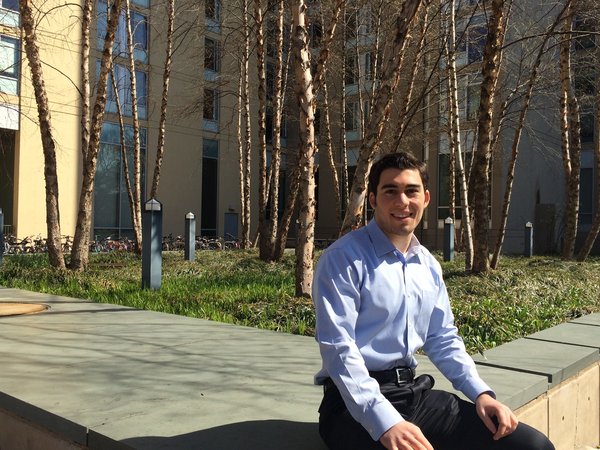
[(251, 435)]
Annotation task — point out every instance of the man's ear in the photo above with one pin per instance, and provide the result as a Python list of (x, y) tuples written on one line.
[(427, 197), (372, 200)]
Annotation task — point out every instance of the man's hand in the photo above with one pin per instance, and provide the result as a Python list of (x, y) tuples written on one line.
[(405, 436), (488, 407)]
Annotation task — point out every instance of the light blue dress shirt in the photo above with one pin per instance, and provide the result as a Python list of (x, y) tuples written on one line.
[(375, 308)]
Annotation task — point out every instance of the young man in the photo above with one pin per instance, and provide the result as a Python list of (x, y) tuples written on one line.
[(379, 298)]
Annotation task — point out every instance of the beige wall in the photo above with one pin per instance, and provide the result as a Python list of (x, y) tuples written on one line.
[(61, 73)]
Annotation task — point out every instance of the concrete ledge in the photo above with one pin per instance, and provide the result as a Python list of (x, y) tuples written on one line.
[(104, 377), (554, 360)]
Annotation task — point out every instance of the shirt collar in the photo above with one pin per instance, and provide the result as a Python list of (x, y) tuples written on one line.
[(383, 245)]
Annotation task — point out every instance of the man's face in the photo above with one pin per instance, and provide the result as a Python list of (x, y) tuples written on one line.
[(399, 203)]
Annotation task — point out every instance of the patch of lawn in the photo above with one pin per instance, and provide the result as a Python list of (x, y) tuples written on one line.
[(523, 296)]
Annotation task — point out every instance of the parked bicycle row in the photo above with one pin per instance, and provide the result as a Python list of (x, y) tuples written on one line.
[(37, 244)]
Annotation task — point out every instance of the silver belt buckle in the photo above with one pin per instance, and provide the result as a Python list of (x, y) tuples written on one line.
[(404, 375)]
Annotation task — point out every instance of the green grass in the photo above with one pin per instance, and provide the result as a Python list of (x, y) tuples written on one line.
[(525, 295)]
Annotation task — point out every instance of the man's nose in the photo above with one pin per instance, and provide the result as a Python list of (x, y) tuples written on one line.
[(402, 199)]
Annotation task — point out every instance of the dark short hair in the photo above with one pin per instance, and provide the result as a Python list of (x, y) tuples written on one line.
[(400, 160)]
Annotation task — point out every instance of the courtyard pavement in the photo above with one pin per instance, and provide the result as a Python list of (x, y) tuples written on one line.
[(112, 377)]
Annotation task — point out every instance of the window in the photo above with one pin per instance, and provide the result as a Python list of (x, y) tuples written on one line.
[(473, 99), (584, 33), (351, 122), (317, 122), (370, 66), (316, 34), (351, 70), (212, 10), (269, 124), (587, 127), (9, 13), (211, 105), (270, 40), (351, 23), (211, 55), (585, 82), (270, 81), (112, 215), (209, 197), (471, 44), (586, 195), (9, 65), (353, 115), (123, 82), (139, 30)]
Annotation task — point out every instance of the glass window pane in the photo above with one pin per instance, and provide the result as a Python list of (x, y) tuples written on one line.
[(112, 214), (8, 57), (142, 93), (106, 186)]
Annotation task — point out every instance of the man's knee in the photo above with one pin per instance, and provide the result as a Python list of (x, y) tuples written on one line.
[(530, 439)]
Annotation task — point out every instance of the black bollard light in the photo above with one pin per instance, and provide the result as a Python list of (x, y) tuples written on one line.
[(448, 239), (190, 237), (152, 244), (528, 249)]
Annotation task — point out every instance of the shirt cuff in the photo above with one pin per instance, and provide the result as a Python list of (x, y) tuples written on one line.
[(381, 418), (475, 388)]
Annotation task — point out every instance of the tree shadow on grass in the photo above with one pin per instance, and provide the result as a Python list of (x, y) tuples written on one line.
[(251, 435)]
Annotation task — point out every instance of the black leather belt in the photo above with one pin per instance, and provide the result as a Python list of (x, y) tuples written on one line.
[(398, 375)]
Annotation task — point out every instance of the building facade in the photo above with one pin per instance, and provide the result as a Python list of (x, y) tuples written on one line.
[(200, 172)]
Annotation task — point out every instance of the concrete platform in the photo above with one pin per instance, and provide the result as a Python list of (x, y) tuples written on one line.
[(93, 376), (554, 360), (110, 377)]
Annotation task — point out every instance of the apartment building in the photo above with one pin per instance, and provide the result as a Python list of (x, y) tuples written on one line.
[(200, 172)]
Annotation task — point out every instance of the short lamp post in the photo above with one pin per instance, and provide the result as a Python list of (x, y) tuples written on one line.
[(448, 239), (152, 244), (190, 237), (528, 248)]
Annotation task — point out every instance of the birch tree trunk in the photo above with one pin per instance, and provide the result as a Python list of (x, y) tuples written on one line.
[(380, 116), (455, 144), (271, 236), (483, 152), (55, 253), (86, 21), (317, 83), (123, 141), (304, 94), (80, 249), (570, 130), (160, 146), (331, 158), (246, 146), (263, 232), (137, 169)]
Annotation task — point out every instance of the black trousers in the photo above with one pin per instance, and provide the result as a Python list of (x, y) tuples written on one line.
[(447, 421)]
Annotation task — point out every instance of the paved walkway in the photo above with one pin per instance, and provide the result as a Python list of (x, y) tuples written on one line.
[(112, 377)]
